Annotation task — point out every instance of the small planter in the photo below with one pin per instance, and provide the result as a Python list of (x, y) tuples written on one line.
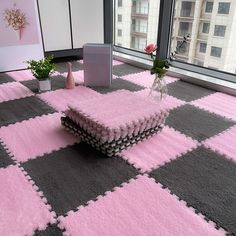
[(44, 85)]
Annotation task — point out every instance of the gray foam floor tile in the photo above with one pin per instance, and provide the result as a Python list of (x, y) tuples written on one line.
[(125, 69), (57, 82), (118, 84), (4, 78), (5, 159), (62, 66), (51, 230), (186, 91), (22, 109), (79, 174), (206, 181), (197, 123)]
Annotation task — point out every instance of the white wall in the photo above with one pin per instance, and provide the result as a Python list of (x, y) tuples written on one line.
[(14, 57), (87, 22), (55, 21)]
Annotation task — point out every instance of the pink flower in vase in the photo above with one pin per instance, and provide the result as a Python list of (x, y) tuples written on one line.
[(150, 48)]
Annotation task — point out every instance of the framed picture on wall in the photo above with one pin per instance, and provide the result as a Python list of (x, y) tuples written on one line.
[(20, 33)]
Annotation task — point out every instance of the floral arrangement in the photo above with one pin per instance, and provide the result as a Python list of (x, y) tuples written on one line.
[(159, 66), (15, 18)]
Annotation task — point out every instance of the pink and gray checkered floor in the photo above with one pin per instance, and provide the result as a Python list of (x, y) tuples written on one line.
[(182, 181)]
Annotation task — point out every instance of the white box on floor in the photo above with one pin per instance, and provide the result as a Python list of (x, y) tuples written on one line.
[(97, 64)]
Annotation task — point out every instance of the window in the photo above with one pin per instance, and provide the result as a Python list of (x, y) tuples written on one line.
[(133, 21), (219, 30), (209, 7), (216, 51), (119, 17), (223, 7), (119, 32), (205, 28), (202, 47), (120, 3), (187, 9), (184, 28)]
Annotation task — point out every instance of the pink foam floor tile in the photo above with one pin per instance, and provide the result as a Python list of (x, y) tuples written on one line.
[(14, 90), (22, 209), (166, 145), (145, 79), (79, 76), (21, 75), (35, 137), (131, 212), (218, 103), (168, 103), (224, 143), (61, 98), (116, 62)]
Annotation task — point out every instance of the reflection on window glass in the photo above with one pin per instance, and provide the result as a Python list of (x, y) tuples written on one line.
[(212, 28), (138, 22)]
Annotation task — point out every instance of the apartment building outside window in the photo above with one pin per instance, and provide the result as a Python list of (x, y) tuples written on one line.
[(219, 30), (205, 27), (187, 9), (202, 48), (184, 28), (119, 32), (120, 3), (216, 51), (224, 8), (209, 6), (119, 18)]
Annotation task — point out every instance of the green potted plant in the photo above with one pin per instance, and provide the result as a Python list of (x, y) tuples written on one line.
[(42, 70)]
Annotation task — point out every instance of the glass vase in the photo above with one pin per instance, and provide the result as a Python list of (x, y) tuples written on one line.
[(158, 90)]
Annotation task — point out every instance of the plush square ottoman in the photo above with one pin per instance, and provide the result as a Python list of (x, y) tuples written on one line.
[(114, 121)]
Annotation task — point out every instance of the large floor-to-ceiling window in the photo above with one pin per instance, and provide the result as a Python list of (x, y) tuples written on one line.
[(209, 24), (136, 23)]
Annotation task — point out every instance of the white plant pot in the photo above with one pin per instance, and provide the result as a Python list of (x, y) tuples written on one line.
[(44, 85)]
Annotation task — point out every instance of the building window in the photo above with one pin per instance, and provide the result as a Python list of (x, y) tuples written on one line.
[(223, 7), (119, 32), (119, 3), (220, 30), (119, 18), (205, 28), (184, 28), (202, 47), (187, 9), (209, 7), (216, 51)]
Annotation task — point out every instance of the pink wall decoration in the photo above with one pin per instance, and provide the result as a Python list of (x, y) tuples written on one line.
[(28, 34), (15, 50)]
